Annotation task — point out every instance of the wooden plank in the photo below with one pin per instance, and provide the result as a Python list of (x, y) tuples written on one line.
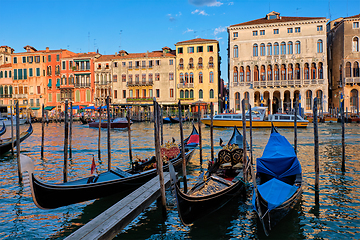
[(108, 224)]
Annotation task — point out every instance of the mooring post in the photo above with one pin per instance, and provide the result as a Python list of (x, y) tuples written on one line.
[(70, 130), (42, 130), (182, 148), (108, 131), (295, 127), (316, 151), (129, 135), (18, 140), (99, 140), (212, 131), (12, 130), (66, 138), (159, 161), (199, 127), (342, 136), (244, 140), (251, 145), (161, 126)]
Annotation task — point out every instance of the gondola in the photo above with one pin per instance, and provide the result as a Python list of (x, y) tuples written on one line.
[(177, 119), (114, 123), (84, 120), (220, 184), (49, 196), (167, 120), (278, 181), (6, 143), (3, 129)]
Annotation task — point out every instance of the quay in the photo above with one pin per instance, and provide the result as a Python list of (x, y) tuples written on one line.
[(109, 223)]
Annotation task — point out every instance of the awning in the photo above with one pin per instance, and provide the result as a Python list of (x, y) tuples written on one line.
[(49, 108), (35, 108)]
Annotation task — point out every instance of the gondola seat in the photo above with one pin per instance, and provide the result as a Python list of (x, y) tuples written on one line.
[(236, 156), (224, 156)]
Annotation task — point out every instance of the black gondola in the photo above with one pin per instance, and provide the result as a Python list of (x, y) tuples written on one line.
[(6, 143), (3, 129), (167, 120), (177, 119), (84, 120), (279, 181), (48, 196), (220, 184)]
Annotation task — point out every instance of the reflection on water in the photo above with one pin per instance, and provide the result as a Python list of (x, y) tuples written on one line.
[(336, 217)]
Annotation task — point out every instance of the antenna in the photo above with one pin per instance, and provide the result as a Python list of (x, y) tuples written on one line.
[(194, 34), (88, 41), (329, 11), (120, 41)]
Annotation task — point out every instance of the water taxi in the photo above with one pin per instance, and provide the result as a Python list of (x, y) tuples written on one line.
[(260, 119)]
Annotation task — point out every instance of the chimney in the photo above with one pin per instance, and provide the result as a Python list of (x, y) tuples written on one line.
[(47, 49)]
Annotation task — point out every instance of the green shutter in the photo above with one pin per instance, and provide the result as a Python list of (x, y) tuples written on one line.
[(15, 74), (77, 96), (25, 73)]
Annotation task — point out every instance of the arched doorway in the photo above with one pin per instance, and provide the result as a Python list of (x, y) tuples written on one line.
[(276, 102), (287, 102), (354, 101)]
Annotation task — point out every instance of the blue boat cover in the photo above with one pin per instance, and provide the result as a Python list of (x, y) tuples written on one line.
[(279, 159), (275, 192)]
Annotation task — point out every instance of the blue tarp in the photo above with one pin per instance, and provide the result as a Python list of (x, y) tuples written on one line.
[(275, 192), (90, 107), (279, 159)]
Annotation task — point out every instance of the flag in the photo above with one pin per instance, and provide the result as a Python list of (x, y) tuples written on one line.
[(93, 165)]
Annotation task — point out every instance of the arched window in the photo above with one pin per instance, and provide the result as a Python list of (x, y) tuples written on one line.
[(1, 74), (211, 93), (241, 74), (348, 69), (290, 48), (276, 72), (186, 93), (200, 63), (313, 71), (236, 51), (308, 99), (256, 73), (211, 77), (88, 95), (191, 77), (306, 71), (237, 101), (181, 78), (200, 77), (319, 46), (356, 72), (297, 71), (211, 62), (319, 96), (269, 73), (181, 63), (235, 74), (191, 63), (262, 49), (283, 48), (290, 72), (355, 44), (255, 50), (246, 98), (201, 94), (321, 71), (1, 90), (262, 73), (269, 49), (186, 78), (297, 47), (181, 93), (354, 99), (248, 74), (276, 49), (191, 93), (283, 72)]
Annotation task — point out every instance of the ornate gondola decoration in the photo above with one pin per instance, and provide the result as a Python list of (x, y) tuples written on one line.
[(3, 129), (279, 181), (6, 143), (219, 185), (49, 196)]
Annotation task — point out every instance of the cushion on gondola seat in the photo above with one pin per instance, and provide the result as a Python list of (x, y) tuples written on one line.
[(224, 156), (170, 153), (226, 165), (236, 156)]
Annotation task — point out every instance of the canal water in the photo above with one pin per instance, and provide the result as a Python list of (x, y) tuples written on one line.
[(337, 216)]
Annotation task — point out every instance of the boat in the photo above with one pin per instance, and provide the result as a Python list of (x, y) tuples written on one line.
[(167, 120), (114, 123), (6, 143), (7, 121), (259, 119), (86, 120), (114, 181), (222, 182), (177, 119), (278, 181), (3, 129)]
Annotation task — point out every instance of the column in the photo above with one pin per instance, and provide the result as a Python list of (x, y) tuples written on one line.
[(271, 100)]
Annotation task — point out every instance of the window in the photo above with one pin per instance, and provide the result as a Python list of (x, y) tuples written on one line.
[(319, 28), (297, 47), (355, 44), (171, 76), (355, 24), (150, 77), (15, 59), (25, 73), (200, 49), (211, 77), (150, 64), (290, 30), (171, 62), (15, 74), (200, 77), (157, 76), (150, 93), (24, 59), (262, 32), (144, 93), (70, 65), (63, 65), (157, 93), (124, 64), (190, 49), (38, 90), (49, 58), (210, 48), (143, 78), (115, 64), (290, 48), (262, 49), (236, 51), (319, 46), (235, 74), (269, 49), (276, 49), (255, 33), (114, 78), (57, 58), (115, 93), (211, 93), (283, 48), (124, 93), (255, 50), (37, 59), (276, 31), (297, 29), (181, 93), (157, 62), (171, 92), (20, 74), (30, 59), (180, 50), (235, 34), (201, 94), (123, 78)]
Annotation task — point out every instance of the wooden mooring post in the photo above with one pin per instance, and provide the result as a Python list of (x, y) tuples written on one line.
[(12, 130), (70, 130), (182, 148), (342, 136), (66, 138), (316, 151), (99, 140), (295, 127), (42, 130), (212, 131), (129, 135), (251, 137), (108, 131), (244, 140), (18, 140), (199, 127)]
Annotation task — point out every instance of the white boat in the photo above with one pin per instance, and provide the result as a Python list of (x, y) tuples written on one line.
[(7, 121)]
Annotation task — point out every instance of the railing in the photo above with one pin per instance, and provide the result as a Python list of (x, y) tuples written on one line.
[(352, 80), (139, 99), (20, 96), (67, 86), (139, 83), (280, 83), (5, 95), (186, 85), (79, 85)]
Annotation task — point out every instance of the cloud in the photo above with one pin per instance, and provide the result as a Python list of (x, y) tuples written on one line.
[(231, 3), (171, 18), (219, 30), (209, 3), (188, 30), (200, 12)]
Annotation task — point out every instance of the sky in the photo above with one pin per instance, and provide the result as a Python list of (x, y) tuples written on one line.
[(138, 26)]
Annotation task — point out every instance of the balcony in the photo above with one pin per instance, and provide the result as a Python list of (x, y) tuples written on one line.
[(82, 85), (139, 99), (211, 65), (349, 80), (5, 95), (66, 86), (186, 85), (280, 83), (139, 83), (102, 83), (20, 96)]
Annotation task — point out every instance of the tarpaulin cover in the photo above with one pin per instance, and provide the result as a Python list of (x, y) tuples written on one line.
[(194, 139), (275, 192), (237, 139), (279, 159)]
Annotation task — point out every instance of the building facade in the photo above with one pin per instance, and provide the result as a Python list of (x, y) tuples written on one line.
[(103, 79), (275, 60), (198, 72), (344, 60)]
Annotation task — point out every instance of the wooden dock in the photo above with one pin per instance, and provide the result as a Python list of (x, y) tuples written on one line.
[(108, 224)]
